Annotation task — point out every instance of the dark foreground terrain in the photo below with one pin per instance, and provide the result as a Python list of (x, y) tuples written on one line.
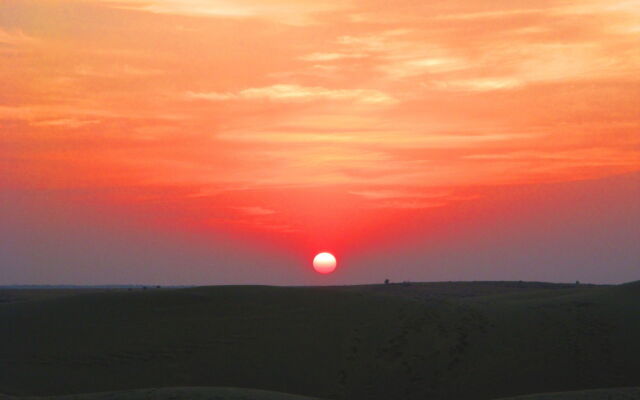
[(476, 340)]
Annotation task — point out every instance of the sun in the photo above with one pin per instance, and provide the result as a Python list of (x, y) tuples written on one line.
[(324, 263)]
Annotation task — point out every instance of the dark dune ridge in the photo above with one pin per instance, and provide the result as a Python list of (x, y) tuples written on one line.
[(450, 340), (248, 394), (184, 393)]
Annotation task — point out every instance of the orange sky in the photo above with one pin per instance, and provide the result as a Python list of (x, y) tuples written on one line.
[(295, 119)]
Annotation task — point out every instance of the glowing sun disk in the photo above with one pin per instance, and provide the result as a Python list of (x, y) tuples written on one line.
[(324, 263)]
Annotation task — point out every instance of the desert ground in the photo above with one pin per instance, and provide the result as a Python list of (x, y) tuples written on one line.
[(402, 341)]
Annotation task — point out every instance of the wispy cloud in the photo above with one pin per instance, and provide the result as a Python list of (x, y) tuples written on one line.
[(483, 84), (383, 193), (255, 210), (319, 57), (65, 122), (15, 38), (293, 93), (295, 13)]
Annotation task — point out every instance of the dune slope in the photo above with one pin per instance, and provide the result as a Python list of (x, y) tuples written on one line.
[(597, 394)]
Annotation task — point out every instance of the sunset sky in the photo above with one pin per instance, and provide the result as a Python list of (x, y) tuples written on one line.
[(229, 141)]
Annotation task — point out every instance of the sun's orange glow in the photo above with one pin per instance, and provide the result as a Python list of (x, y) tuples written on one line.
[(324, 263), (283, 119)]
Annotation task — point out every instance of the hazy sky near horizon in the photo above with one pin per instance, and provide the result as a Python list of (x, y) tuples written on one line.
[(193, 141)]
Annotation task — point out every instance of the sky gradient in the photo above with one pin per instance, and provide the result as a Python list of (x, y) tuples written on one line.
[(193, 141)]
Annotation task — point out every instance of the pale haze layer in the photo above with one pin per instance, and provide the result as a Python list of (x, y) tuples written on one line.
[(221, 142)]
